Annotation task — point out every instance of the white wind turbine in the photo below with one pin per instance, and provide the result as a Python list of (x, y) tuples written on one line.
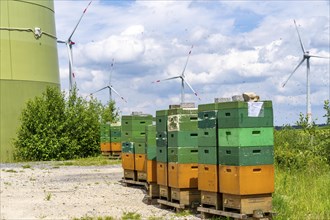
[(306, 56), (183, 80), (69, 44), (110, 87)]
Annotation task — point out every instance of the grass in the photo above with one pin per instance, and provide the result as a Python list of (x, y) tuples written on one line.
[(90, 161), (48, 197), (302, 195), (26, 166), (10, 171), (131, 216)]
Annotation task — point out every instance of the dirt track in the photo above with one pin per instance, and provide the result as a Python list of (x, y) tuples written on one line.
[(47, 191)]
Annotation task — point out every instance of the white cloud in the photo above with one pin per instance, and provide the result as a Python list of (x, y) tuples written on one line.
[(150, 40)]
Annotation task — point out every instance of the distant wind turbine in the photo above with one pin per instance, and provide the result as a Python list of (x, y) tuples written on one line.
[(306, 56), (69, 44), (110, 87), (183, 80)]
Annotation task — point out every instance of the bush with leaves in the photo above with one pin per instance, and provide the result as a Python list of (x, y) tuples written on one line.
[(54, 127)]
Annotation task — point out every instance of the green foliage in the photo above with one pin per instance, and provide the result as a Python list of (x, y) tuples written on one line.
[(326, 107), (109, 113), (301, 194), (54, 127), (297, 149), (130, 216)]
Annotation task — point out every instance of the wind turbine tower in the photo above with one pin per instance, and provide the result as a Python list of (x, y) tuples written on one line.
[(69, 43), (183, 79), (306, 56)]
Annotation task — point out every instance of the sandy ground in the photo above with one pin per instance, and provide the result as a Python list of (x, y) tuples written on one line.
[(48, 191)]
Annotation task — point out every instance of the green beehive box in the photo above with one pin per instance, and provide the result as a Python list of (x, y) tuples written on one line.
[(127, 147), (151, 153), (183, 155), (207, 119), (182, 111), (161, 113), (188, 122), (161, 139), (208, 107), (115, 133), (161, 154), (150, 135), (183, 138), (161, 123), (103, 139), (208, 155), (208, 137), (140, 148), (246, 156), (105, 127), (239, 118), (242, 137), (135, 122), (134, 134), (115, 139), (241, 104)]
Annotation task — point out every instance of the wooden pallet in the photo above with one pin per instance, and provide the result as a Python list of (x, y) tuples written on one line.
[(129, 182), (247, 204), (207, 213), (188, 197), (211, 200), (153, 190), (130, 175), (141, 176), (165, 193)]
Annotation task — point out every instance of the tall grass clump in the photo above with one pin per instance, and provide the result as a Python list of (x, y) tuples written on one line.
[(302, 177)]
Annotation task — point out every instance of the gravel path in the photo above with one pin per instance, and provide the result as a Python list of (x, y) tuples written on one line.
[(47, 191)]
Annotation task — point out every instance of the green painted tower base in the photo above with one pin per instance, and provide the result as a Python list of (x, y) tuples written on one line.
[(28, 62)]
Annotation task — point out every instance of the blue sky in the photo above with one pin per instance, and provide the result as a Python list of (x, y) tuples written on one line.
[(239, 46)]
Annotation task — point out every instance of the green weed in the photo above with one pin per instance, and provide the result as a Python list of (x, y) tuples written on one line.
[(131, 216), (26, 166)]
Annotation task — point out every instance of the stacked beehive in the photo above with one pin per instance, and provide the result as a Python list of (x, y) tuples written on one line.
[(183, 155), (208, 170), (115, 139), (246, 170), (105, 139), (151, 161), (161, 153), (110, 139), (134, 146)]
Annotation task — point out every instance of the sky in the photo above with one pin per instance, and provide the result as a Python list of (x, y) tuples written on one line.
[(238, 46)]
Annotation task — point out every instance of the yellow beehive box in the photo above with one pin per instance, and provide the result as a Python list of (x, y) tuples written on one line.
[(140, 162), (183, 175), (128, 161), (162, 174), (105, 146), (116, 146), (208, 176), (246, 180), (151, 171)]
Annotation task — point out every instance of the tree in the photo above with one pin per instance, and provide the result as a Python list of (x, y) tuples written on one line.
[(57, 128), (326, 107), (109, 113)]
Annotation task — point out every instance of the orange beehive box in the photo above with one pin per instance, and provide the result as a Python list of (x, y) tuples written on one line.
[(151, 171), (115, 146), (183, 175), (105, 146), (128, 161), (162, 174), (246, 180), (140, 162), (208, 176)]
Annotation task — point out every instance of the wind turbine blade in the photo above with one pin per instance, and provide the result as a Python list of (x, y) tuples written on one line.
[(293, 71), (301, 44), (191, 88), (319, 56), (111, 69), (61, 42), (118, 94), (184, 69), (79, 20), (99, 90), (160, 80)]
